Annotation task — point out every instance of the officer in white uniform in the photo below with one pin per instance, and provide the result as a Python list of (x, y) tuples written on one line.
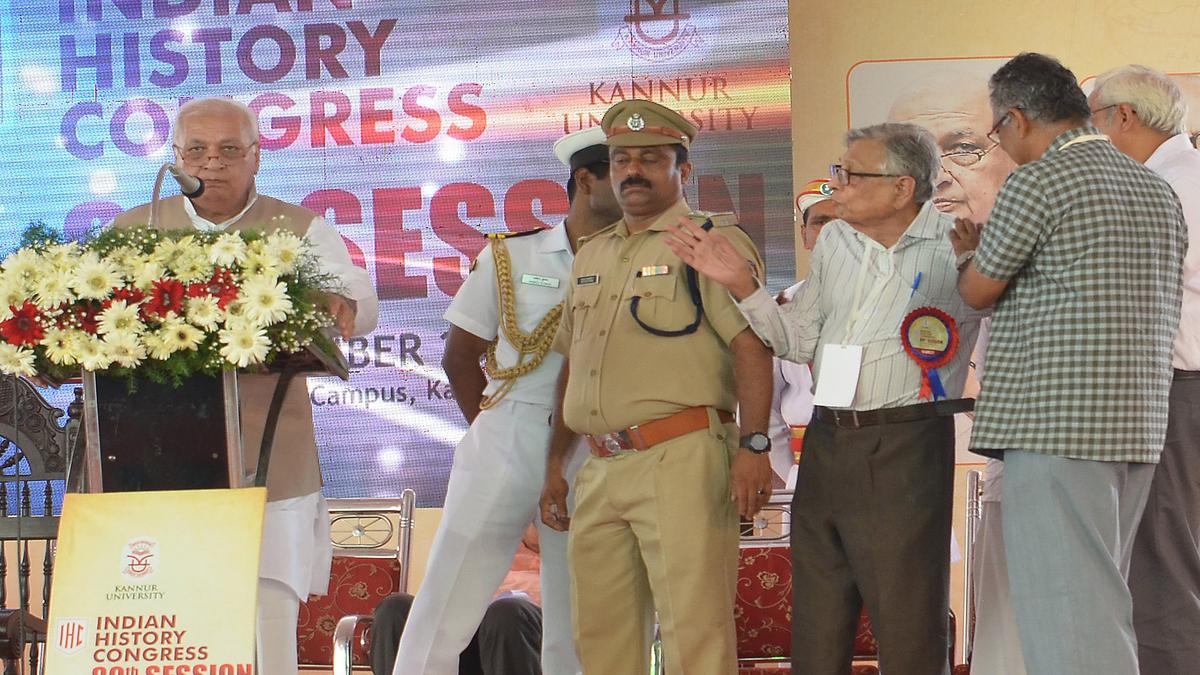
[(792, 405), (506, 311)]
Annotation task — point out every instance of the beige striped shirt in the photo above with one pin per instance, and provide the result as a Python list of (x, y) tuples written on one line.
[(822, 312)]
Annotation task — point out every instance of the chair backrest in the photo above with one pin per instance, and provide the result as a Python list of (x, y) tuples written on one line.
[(35, 452), (372, 545), (973, 516)]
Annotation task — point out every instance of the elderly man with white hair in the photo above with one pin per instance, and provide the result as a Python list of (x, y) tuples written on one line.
[(217, 140), (878, 312), (1143, 112)]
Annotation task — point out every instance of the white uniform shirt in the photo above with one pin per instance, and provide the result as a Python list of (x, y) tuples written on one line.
[(821, 312), (541, 272), (296, 549), (791, 405), (1178, 162)]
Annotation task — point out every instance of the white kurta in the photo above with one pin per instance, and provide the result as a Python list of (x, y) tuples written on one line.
[(791, 405), (296, 548)]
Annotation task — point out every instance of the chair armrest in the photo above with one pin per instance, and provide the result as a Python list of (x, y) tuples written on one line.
[(343, 642)]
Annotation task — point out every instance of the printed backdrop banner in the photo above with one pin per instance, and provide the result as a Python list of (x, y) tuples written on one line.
[(148, 582), (413, 126)]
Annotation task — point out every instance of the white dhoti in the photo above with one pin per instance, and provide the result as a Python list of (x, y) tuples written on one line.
[(495, 484), (296, 557)]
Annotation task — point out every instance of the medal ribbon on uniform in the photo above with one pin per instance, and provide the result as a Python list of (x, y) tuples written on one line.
[(930, 337)]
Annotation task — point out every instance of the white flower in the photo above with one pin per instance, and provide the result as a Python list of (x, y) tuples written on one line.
[(243, 343), (63, 257), (264, 300), (94, 278), (24, 264), (92, 354), (192, 265), (52, 290), (16, 360), (177, 335), (203, 312), (285, 249), (125, 349), (12, 294), (260, 263), (120, 317), (143, 272), (227, 250), (62, 346)]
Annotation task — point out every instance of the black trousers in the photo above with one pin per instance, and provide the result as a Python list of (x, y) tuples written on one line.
[(507, 642), (871, 524)]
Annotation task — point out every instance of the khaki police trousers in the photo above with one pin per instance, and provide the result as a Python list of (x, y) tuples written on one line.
[(656, 531)]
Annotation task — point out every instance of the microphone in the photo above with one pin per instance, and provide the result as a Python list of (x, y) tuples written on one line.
[(189, 185)]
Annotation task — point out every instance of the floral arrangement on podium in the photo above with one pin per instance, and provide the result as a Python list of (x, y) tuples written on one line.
[(165, 305)]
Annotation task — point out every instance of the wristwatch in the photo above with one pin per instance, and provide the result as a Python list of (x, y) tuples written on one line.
[(757, 442), (963, 258)]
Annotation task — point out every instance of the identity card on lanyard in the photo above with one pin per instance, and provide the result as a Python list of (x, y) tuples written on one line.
[(841, 362)]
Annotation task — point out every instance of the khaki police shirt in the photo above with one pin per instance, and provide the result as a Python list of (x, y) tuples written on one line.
[(623, 375)]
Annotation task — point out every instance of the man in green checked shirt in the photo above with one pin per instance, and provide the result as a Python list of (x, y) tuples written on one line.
[(1082, 257)]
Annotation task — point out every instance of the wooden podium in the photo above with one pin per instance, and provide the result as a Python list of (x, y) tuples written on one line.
[(186, 437)]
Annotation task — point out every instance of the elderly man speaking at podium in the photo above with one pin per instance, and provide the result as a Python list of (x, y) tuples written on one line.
[(216, 140)]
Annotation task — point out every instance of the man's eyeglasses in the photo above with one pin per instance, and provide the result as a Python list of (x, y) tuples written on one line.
[(841, 175), (967, 157), (229, 152), (1100, 110), (994, 134)]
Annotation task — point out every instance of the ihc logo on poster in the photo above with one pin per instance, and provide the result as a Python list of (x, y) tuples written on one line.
[(141, 558), (70, 635), (657, 30)]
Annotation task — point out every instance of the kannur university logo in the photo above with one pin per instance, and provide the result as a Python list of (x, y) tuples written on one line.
[(657, 30), (140, 559), (70, 635)]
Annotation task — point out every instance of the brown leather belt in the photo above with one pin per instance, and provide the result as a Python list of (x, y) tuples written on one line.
[(856, 419), (649, 434)]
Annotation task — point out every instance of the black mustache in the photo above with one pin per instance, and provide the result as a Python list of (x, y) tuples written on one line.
[(635, 180)]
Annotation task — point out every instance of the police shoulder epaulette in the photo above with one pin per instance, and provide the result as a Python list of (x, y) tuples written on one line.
[(514, 235), (598, 233), (724, 219)]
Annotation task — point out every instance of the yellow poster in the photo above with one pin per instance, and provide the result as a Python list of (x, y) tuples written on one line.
[(156, 583)]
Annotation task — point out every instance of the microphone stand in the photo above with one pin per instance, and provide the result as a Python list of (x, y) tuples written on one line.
[(154, 198)]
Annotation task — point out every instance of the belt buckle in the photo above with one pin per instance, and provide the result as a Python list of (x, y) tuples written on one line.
[(853, 418), (617, 442)]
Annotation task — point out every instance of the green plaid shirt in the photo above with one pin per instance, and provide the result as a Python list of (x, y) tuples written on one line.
[(1079, 363)]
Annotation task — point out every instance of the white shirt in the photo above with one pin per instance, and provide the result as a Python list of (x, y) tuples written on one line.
[(541, 272), (821, 312), (791, 405), (1178, 162)]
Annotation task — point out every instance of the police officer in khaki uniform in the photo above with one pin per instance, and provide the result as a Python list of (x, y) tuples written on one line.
[(658, 360)]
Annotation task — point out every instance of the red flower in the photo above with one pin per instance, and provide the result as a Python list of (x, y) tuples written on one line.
[(25, 326), (165, 296), (197, 290), (88, 317), (130, 295), (222, 287)]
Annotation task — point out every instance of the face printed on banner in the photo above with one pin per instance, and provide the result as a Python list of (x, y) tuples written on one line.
[(218, 147), (954, 108), (647, 180), (1189, 86)]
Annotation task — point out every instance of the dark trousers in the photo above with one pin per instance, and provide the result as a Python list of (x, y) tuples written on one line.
[(1164, 571), (871, 524), (507, 642)]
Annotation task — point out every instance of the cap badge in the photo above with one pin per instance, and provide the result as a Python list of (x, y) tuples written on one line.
[(636, 123), (826, 189)]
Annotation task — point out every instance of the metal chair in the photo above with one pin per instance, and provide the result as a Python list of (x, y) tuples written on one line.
[(974, 515), (35, 452), (372, 545)]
